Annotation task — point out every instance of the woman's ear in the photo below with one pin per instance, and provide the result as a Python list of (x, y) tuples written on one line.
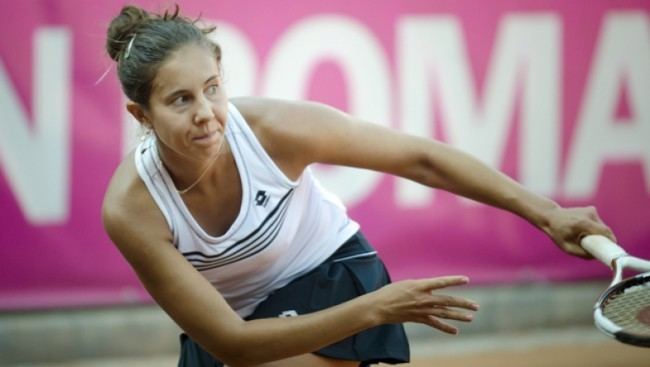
[(138, 113)]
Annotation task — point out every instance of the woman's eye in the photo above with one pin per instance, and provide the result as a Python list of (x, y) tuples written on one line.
[(212, 89), (179, 101)]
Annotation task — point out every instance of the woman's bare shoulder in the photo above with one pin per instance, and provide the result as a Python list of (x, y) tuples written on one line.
[(258, 111), (123, 186), (282, 127), (128, 205), (262, 112)]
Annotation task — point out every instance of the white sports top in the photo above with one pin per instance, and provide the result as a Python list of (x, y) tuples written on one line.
[(283, 230)]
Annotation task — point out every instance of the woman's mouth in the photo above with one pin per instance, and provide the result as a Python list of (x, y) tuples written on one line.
[(205, 138)]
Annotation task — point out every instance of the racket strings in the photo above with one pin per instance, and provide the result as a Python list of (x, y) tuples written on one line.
[(626, 308)]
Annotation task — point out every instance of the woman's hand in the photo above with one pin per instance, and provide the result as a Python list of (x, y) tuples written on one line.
[(415, 301), (567, 226)]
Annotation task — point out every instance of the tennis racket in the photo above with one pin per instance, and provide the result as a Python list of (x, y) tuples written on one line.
[(623, 310)]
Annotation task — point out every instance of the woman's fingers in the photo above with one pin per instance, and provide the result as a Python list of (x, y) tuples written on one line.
[(451, 301), (444, 282), (446, 307), (450, 314), (435, 316), (567, 226), (576, 250), (442, 301), (418, 301), (446, 313), (436, 323)]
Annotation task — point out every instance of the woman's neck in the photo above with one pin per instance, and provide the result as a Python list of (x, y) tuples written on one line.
[(191, 174)]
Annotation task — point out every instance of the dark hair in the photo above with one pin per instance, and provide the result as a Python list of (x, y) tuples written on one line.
[(140, 41)]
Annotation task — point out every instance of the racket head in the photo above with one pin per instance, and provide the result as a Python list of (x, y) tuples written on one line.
[(623, 311)]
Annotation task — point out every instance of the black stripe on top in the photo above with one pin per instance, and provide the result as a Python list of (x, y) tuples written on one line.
[(251, 250), (256, 241)]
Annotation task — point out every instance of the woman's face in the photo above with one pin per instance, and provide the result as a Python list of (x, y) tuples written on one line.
[(188, 106)]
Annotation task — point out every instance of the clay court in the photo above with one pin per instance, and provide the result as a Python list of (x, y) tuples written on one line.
[(574, 348), (581, 347)]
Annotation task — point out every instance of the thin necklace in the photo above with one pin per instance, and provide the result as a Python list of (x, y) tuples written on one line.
[(207, 168)]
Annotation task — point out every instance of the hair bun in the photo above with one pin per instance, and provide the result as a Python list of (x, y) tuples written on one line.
[(122, 28)]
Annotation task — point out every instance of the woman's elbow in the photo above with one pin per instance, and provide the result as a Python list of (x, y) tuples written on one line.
[(238, 349)]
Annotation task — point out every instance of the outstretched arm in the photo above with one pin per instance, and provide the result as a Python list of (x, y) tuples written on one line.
[(138, 229), (300, 133)]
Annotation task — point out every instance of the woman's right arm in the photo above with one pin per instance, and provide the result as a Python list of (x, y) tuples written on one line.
[(139, 230)]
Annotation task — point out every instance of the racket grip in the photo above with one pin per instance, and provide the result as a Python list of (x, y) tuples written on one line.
[(602, 248)]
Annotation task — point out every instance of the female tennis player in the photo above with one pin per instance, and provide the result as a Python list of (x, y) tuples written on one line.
[(220, 216)]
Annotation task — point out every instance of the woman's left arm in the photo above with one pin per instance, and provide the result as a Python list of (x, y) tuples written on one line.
[(299, 133)]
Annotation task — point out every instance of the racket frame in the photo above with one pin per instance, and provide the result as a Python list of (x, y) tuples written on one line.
[(608, 327), (612, 255)]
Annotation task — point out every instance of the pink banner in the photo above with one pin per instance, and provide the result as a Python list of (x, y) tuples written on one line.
[(555, 94)]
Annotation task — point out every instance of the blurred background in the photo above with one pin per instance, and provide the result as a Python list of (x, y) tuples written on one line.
[(555, 94)]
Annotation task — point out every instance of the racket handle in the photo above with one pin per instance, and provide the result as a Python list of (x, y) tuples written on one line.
[(602, 248)]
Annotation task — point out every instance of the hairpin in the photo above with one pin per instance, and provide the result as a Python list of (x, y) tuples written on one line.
[(128, 47)]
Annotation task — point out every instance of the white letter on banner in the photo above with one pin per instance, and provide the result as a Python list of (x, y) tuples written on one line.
[(360, 56), (239, 59), (36, 158), (622, 57), (239, 64), (525, 58)]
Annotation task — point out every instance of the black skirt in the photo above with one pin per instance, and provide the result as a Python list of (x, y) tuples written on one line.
[(353, 270)]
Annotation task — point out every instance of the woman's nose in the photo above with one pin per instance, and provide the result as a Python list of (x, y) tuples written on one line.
[(203, 111)]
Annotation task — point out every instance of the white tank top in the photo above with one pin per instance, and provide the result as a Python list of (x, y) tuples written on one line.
[(283, 230)]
